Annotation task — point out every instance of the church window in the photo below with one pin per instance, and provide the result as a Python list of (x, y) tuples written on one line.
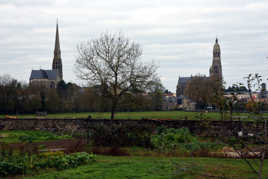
[(216, 70), (52, 85)]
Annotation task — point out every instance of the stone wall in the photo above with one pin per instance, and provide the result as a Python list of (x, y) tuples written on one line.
[(206, 128)]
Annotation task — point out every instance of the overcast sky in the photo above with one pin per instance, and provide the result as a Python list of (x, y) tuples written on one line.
[(178, 35)]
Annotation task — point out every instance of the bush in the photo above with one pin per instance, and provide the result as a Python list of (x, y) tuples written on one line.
[(11, 168), (116, 135), (61, 162), (170, 139), (16, 164)]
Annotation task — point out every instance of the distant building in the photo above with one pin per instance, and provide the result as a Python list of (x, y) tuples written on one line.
[(263, 92), (49, 78), (215, 72), (44, 78), (181, 86), (169, 101), (182, 83)]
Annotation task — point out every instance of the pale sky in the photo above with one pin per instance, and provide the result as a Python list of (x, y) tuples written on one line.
[(178, 35)]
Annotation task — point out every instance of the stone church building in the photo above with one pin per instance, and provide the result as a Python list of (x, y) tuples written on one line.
[(49, 78), (215, 72)]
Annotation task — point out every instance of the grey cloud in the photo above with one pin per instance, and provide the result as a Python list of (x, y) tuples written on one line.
[(27, 2), (177, 35)]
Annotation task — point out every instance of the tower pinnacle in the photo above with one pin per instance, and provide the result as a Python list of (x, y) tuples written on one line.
[(215, 70), (57, 63)]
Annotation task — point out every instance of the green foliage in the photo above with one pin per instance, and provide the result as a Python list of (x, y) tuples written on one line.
[(11, 168), (170, 139), (15, 163), (118, 135), (61, 162), (29, 136)]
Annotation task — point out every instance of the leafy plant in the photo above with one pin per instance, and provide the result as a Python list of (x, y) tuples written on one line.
[(11, 168), (16, 163), (118, 135), (170, 139), (61, 162)]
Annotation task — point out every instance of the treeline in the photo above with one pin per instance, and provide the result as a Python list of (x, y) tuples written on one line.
[(209, 93), (20, 98)]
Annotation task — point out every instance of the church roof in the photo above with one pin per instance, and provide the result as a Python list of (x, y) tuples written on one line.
[(44, 74), (184, 79)]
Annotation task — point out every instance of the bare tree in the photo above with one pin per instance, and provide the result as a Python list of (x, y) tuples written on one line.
[(252, 146), (202, 90), (254, 83), (113, 62)]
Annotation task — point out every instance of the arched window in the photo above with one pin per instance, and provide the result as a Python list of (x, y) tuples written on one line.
[(52, 84), (216, 69), (217, 54)]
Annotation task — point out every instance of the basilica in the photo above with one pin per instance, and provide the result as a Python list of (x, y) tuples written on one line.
[(49, 78), (215, 72)]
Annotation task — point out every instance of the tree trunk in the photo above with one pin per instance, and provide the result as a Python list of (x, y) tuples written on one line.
[(261, 164), (114, 104), (231, 113), (112, 114)]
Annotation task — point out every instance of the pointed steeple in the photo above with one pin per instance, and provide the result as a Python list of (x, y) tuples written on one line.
[(57, 64), (216, 68), (57, 41), (216, 49)]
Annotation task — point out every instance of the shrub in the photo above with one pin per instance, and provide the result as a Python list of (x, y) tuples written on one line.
[(11, 168), (117, 135), (170, 139), (16, 164), (61, 162)]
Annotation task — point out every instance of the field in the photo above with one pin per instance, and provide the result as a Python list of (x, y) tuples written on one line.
[(28, 136), (141, 115), (156, 167), (118, 153)]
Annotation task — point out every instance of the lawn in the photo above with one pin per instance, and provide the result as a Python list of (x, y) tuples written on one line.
[(15, 136), (156, 167), (137, 115)]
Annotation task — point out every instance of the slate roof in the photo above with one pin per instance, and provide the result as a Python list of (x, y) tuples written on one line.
[(184, 79), (44, 74)]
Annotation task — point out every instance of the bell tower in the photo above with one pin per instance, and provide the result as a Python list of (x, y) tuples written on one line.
[(215, 70), (57, 63)]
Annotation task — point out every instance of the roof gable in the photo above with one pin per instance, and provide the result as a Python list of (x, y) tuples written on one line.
[(44, 74)]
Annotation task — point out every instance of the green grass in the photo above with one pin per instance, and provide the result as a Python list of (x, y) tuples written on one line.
[(14, 136), (156, 167), (136, 115)]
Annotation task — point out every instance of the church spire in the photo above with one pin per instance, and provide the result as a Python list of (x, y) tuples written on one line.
[(215, 70), (57, 64), (57, 41)]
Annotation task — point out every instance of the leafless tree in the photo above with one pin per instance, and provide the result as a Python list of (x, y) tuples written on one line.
[(254, 144), (112, 61), (197, 89), (254, 83)]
